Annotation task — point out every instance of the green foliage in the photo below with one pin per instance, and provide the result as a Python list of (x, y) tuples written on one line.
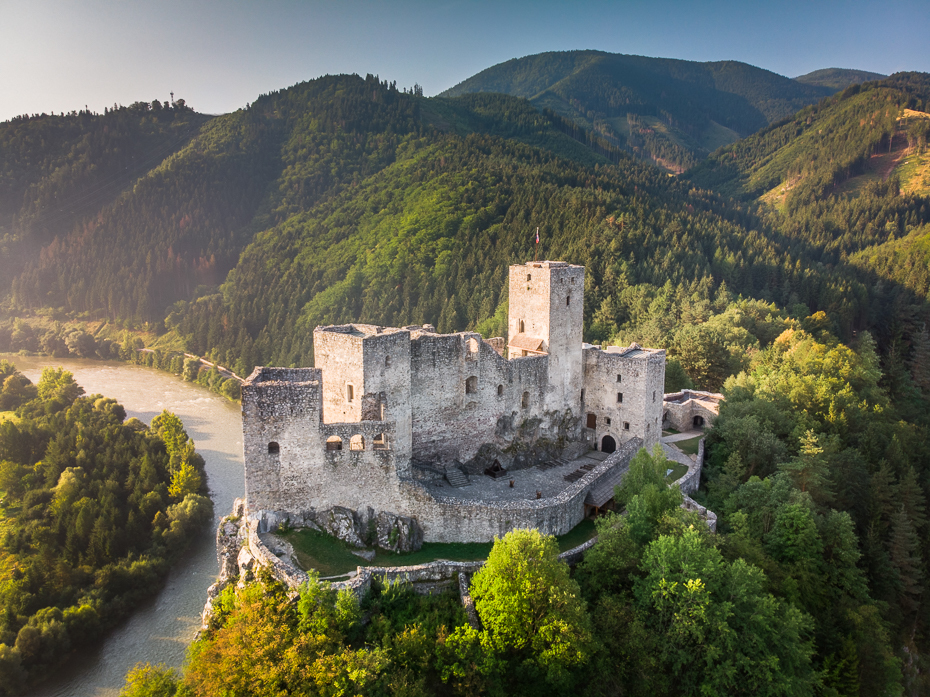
[(88, 529), (531, 611), (645, 494), (146, 680)]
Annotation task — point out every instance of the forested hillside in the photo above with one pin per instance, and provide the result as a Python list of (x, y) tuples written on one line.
[(672, 112), (838, 79)]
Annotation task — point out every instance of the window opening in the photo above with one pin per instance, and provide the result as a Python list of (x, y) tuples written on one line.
[(350, 393), (273, 448), (626, 425), (334, 443), (619, 378), (380, 442), (607, 420), (568, 300), (500, 390), (526, 400), (592, 421), (522, 329), (529, 277), (471, 385), (387, 361), (357, 442), (619, 398)]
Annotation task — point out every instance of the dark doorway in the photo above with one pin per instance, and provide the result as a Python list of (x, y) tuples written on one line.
[(592, 421), (699, 422), (608, 444)]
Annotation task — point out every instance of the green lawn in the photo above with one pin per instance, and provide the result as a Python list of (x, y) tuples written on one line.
[(678, 471), (670, 432), (332, 557), (690, 446)]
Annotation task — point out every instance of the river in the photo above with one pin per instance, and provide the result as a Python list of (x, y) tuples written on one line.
[(160, 630)]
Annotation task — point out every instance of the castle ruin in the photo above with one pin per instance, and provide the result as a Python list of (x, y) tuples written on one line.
[(406, 421)]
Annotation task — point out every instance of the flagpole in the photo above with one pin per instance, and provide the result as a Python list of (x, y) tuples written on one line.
[(536, 248)]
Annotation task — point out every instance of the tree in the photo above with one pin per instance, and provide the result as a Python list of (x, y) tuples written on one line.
[(57, 384), (719, 631), (531, 609), (703, 355), (809, 469), (646, 495)]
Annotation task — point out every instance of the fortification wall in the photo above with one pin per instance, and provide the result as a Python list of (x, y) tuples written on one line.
[(639, 379), (465, 395)]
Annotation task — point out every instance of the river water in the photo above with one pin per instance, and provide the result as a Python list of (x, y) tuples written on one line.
[(160, 630)]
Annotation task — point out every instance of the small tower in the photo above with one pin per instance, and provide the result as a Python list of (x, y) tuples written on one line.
[(546, 318)]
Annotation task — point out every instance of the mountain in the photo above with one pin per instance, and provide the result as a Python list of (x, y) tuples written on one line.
[(673, 112), (837, 79), (863, 134)]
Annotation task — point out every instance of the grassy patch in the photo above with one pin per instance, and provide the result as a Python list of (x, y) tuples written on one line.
[(678, 471), (331, 557), (670, 432), (326, 554), (690, 446)]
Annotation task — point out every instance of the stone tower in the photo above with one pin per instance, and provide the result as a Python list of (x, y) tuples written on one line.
[(546, 318)]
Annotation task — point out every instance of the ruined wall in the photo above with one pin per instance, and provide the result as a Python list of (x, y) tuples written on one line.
[(337, 351), (679, 411), (465, 395), (640, 378), (284, 408)]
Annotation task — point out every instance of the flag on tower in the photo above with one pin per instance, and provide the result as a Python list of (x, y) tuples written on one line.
[(537, 235)]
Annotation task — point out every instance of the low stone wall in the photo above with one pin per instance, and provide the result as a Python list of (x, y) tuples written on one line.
[(691, 480), (451, 519), (708, 515)]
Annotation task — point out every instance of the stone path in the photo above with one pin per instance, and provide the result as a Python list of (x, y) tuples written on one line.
[(675, 437)]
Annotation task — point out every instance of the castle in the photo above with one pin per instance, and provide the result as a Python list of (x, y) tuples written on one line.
[(406, 421)]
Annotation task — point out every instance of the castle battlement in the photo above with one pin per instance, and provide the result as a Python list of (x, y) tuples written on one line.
[(388, 410)]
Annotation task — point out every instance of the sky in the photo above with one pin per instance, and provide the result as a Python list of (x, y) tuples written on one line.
[(61, 55)]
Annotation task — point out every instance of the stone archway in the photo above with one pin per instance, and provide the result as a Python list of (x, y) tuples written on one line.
[(608, 444), (698, 421)]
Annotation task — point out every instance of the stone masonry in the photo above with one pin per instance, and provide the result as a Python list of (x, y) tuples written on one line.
[(387, 407)]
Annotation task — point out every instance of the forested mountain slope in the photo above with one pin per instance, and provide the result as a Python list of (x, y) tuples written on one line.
[(838, 79), (57, 170), (671, 111), (183, 223)]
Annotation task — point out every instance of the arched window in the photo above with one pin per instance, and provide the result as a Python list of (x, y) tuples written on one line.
[(273, 448), (471, 385), (334, 443), (522, 327), (357, 442), (526, 400), (472, 348), (500, 390)]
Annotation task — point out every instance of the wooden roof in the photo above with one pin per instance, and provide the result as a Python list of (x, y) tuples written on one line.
[(525, 342)]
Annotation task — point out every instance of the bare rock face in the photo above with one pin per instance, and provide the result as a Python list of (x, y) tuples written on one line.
[(340, 523), (398, 533)]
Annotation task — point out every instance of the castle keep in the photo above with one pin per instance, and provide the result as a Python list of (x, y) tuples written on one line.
[(405, 421)]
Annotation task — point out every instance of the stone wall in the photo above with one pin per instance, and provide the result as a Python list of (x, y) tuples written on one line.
[(691, 480), (636, 374), (680, 408)]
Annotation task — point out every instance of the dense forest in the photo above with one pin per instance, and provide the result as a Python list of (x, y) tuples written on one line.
[(93, 507), (672, 112)]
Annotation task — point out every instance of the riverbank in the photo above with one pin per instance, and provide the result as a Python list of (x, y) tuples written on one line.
[(160, 629)]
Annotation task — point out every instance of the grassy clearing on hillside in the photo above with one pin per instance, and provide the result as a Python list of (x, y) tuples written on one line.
[(332, 557), (716, 136)]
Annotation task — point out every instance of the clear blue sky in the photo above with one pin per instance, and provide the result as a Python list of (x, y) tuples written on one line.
[(59, 55)]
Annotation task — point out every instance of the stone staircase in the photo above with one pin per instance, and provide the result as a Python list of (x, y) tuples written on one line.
[(456, 478)]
